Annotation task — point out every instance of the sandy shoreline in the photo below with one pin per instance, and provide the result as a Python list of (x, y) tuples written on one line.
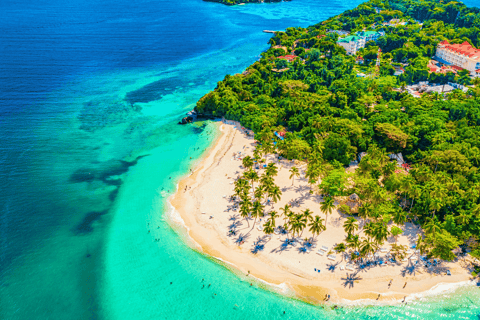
[(201, 195)]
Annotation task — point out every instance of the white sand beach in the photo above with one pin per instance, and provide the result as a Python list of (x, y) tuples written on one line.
[(203, 202)]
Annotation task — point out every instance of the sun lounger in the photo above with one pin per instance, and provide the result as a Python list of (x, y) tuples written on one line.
[(259, 228), (409, 251), (383, 250), (349, 267), (324, 248), (320, 252), (404, 260), (331, 257), (342, 267), (413, 258), (276, 231)]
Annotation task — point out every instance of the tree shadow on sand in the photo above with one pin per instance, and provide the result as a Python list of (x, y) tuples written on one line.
[(350, 279), (242, 238), (332, 266), (284, 246), (259, 244)]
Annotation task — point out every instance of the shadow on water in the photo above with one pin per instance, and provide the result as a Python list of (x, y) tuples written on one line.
[(86, 225), (105, 172), (154, 91)]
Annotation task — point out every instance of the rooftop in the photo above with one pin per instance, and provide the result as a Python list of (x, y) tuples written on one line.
[(464, 48)]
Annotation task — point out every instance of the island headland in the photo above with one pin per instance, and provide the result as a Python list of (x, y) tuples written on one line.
[(348, 164)]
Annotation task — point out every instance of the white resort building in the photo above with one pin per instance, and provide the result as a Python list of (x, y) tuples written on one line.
[(461, 55), (354, 42)]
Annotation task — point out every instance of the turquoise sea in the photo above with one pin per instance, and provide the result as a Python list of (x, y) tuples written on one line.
[(90, 93)]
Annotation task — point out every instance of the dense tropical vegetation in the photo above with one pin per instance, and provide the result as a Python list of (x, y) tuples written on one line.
[(330, 115)]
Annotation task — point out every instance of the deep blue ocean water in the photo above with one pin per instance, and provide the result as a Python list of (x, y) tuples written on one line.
[(90, 92)]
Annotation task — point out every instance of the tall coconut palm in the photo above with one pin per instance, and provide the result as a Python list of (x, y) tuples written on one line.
[(257, 211), (365, 211), (275, 193), (395, 232), (327, 206), (271, 170), (350, 225), (297, 223), (294, 173), (301, 223), (369, 229), (381, 233), (399, 217), (245, 209), (340, 248), (353, 242), (273, 215), (431, 226), (247, 162), (307, 213), (316, 226), (367, 246), (259, 192), (252, 176), (269, 228), (285, 212), (266, 180), (240, 185)]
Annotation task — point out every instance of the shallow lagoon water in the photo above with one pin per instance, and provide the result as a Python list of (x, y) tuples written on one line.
[(89, 98)]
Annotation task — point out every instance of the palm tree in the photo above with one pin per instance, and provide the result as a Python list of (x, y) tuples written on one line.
[(308, 214), (269, 228), (431, 226), (437, 197), (266, 180), (294, 173), (381, 233), (365, 211), (399, 217), (297, 223), (340, 248), (327, 206), (421, 244), (259, 191), (240, 185), (285, 212), (275, 193), (257, 211), (245, 208), (350, 225), (463, 218), (316, 226), (396, 231), (252, 176), (271, 170), (369, 229), (367, 247), (247, 162), (353, 242), (273, 215)]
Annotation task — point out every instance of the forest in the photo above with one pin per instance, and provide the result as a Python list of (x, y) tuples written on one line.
[(329, 115)]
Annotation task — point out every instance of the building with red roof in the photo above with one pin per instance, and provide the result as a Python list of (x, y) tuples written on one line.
[(459, 55), (288, 57)]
